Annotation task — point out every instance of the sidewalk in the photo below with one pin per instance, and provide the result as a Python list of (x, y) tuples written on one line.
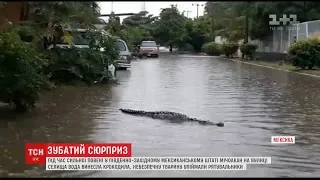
[(273, 65)]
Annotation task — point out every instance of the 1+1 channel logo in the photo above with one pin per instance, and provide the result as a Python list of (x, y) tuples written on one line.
[(283, 23)]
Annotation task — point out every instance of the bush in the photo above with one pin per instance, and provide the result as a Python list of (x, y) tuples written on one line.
[(305, 53), (21, 71), (25, 72), (229, 48), (212, 49), (248, 50), (187, 47), (88, 65)]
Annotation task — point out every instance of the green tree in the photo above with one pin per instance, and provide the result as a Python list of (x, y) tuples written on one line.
[(50, 19), (170, 28), (229, 16), (21, 71), (228, 19), (25, 70), (198, 32), (133, 29), (143, 18)]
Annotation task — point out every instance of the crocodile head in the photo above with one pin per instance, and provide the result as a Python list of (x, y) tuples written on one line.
[(220, 124)]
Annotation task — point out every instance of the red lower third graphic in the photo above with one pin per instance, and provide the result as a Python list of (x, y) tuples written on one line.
[(37, 153)]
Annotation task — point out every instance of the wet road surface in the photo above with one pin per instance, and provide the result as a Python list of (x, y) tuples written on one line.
[(255, 103)]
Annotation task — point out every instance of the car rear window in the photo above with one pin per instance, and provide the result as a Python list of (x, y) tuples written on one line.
[(148, 44), (121, 46)]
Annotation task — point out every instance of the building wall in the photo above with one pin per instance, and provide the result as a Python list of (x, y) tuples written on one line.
[(13, 12)]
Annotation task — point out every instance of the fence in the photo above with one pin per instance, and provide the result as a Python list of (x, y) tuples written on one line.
[(283, 37)]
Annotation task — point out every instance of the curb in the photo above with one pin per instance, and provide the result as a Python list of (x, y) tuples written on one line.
[(312, 75)]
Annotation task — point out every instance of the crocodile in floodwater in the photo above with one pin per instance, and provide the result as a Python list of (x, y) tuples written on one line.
[(169, 116)]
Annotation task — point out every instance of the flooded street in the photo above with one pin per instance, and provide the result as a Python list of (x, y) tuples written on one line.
[(255, 103)]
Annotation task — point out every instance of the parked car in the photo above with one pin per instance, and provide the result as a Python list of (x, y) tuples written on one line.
[(124, 54), (80, 41), (150, 48)]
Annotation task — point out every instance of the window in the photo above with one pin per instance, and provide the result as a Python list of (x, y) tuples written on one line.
[(121, 46), (149, 44)]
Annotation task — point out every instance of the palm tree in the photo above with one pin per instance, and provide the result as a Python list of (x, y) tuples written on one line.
[(233, 28), (51, 18)]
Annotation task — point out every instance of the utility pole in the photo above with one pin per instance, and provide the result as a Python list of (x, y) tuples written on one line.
[(143, 10), (111, 6), (246, 39), (196, 4), (212, 18), (187, 13), (144, 6), (304, 12), (212, 23)]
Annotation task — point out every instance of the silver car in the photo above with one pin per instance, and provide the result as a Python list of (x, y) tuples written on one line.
[(124, 60)]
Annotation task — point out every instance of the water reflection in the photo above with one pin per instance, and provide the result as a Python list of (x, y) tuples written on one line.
[(254, 102), (63, 115), (293, 100)]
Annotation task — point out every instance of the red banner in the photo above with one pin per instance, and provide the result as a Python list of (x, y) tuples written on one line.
[(36, 153)]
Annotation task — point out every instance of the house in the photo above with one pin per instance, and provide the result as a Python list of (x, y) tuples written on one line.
[(12, 12)]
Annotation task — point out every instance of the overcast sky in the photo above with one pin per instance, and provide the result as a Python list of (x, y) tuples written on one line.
[(153, 7)]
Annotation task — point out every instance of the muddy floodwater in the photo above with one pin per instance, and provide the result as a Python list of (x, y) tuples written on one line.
[(255, 103)]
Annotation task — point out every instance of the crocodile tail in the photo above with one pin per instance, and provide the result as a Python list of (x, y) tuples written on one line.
[(132, 111)]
